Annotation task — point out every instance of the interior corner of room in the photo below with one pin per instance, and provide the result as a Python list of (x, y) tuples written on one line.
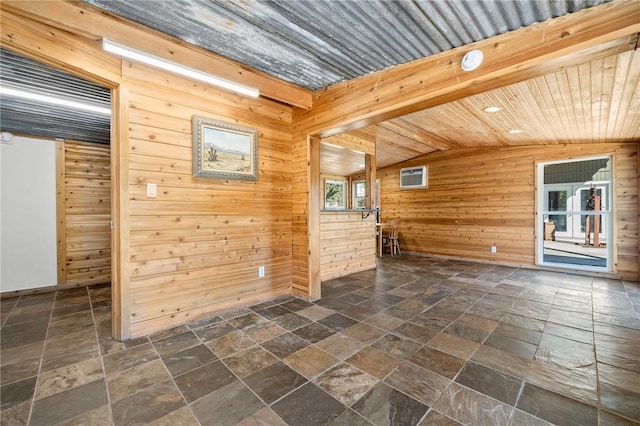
[(491, 160)]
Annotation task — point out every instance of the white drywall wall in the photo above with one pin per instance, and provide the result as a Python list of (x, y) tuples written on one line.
[(28, 214)]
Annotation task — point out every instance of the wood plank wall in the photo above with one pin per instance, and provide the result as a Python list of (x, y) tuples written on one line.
[(196, 248), (84, 213), (480, 197), (347, 244)]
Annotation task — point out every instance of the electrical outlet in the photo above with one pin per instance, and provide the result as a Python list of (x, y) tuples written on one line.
[(152, 190), (494, 249), (261, 272)]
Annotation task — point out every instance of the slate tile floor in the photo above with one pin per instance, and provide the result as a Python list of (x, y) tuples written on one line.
[(417, 341)]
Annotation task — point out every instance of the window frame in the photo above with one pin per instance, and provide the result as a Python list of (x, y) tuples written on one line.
[(345, 194)]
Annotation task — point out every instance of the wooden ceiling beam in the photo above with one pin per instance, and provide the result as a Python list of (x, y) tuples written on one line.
[(92, 23), (438, 79)]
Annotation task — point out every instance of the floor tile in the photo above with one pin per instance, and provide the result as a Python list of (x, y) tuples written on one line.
[(176, 343), (579, 382), (556, 408), (310, 361), (183, 417), (384, 321), (188, 359), (454, 345), (374, 362), (69, 404), (249, 361), (291, 321), (17, 392), (214, 331), (129, 358), (364, 333), (285, 344), (24, 334), (502, 361), (399, 347), (273, 382), (345, 383), (511, 345), (383, 405), (417, 382), (204, 380), (470, 407), (20, 362), (337, 322), (620, 391), (313, 332), (434, 418), (227, 406), (439, 362), (230, 344), (315, 312), (70, 376), (264, 331), (308, 405), (147, 405), (16, 415), (490, 382), (263, 417), (245, 321), (547, 329), (415, 332), (127, 382), (340, 345)]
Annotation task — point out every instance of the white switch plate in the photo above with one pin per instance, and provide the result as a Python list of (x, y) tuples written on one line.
[(152, 190), (261, 272), (494, 249)]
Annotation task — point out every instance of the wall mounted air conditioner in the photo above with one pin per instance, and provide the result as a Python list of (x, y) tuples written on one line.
[(413, 177)]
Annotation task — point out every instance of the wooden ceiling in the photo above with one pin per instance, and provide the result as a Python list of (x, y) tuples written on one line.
[(587, 97)]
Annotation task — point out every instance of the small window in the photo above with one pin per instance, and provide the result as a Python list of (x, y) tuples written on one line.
[(359, 195), (335, 195)]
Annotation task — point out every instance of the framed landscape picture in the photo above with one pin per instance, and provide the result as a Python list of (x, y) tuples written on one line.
[(224, 150)]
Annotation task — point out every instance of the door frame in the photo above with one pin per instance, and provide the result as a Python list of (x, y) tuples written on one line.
[(540, 213)]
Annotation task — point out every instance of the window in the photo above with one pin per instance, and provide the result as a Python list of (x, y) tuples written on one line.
[(359, 195), (335, 195)]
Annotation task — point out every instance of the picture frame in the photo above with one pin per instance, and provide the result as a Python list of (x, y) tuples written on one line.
[(223, 150)]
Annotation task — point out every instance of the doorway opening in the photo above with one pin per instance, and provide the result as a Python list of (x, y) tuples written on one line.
[(574, 225)]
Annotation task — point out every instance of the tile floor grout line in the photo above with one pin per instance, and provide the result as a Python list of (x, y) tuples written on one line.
[(44, 346), (101, 355)]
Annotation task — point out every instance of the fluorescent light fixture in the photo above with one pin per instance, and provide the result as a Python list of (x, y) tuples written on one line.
[(515, 131), (163, 64), (492, 109), (54, 100)]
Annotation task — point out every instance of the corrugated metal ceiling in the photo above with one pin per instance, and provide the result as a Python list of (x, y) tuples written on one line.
[(310, 43), (23, 116), (317, 43)]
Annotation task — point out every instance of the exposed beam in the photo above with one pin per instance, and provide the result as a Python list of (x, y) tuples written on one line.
[(509, 58), (94, 24)]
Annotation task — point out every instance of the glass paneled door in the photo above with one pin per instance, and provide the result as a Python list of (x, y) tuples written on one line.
[(565, 206)]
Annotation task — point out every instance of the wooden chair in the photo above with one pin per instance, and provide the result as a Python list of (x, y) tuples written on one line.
[(391, 238)]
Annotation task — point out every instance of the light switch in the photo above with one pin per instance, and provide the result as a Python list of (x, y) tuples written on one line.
[(152, 190)]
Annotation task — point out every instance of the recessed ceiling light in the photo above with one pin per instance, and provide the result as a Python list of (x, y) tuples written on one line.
[(515, 131), (492, 109)]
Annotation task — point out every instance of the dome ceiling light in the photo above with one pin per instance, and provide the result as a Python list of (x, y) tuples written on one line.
[(471, 60)]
